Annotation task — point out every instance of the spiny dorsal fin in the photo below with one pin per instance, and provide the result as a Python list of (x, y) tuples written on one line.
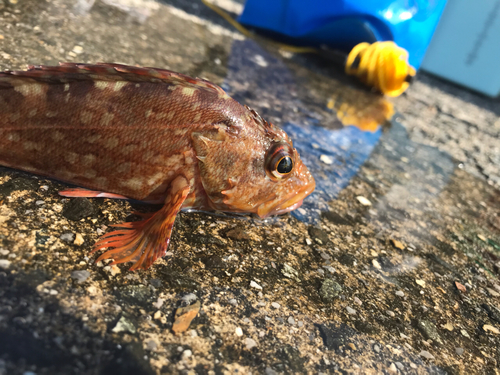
[(68, 72)]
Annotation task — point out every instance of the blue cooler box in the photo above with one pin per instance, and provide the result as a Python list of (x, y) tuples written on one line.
[(341, 24)]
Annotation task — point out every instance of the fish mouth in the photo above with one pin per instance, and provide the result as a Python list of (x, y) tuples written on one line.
[(282, 211), (290, 203)]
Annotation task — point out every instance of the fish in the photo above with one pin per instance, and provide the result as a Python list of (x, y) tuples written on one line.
[(150, 135)]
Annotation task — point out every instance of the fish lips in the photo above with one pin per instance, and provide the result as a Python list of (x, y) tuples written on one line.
[(291, 202)]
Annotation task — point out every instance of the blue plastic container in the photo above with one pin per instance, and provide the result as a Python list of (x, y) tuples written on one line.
[(341, 24)]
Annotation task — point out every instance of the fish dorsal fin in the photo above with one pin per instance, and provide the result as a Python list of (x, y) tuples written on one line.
[(69, 72)]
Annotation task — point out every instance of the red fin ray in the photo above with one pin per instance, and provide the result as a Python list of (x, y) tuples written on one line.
[(85, 193), (144, 241)]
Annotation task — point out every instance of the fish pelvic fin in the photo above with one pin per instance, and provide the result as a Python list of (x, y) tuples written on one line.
[(142, 242)]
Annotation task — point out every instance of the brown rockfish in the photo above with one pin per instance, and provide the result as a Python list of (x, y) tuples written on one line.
[(151, 135)]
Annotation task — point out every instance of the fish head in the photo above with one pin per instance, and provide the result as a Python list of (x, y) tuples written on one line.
[(253, 170)]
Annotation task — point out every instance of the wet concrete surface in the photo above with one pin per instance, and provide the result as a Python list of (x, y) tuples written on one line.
[(392, 266)]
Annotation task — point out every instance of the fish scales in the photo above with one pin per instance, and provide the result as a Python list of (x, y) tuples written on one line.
[(147, 134), (50, 129)]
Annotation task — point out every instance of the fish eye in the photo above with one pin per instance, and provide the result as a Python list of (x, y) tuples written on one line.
[(280, 161), (285, 165)]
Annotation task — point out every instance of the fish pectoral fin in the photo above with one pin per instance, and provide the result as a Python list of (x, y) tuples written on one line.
[(84, 193), (142, 242)]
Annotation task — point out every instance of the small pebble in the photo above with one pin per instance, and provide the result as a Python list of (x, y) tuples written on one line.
[(78, 239), (376, 348), (40, 203), (250, 343), (80, 276), (151, 345), (357, 301), (78, 49), (400, 293), (325, 256), (124, 325), (275, 305), (426, 354), (460, 287), (393, 369), (447, 326), (363, 200), (4, 263), (490, 328), (67, 237), (159, 303), (238, 331), (253, 284), (400, 366), (186, 354), (490, 291), (233, 302), (188, 299), (390, 313), (291, 321), (459, 351), (350, 310), (329, 269), (300, 323), (376, 264), (326, 159), (397, 244), (290, 272), (4, 252), (420, 282)]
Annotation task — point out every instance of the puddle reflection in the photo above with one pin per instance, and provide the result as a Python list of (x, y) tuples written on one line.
[(365, 113)]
